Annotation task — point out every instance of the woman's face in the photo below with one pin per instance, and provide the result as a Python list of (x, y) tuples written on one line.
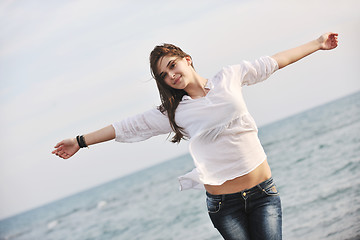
[(175, 71)]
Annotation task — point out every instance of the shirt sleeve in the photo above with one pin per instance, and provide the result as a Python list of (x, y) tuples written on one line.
[(257, 71), (142, 126)]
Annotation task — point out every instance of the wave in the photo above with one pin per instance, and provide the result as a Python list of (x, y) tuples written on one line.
[(101, 204), (52, 224), (15, 235)]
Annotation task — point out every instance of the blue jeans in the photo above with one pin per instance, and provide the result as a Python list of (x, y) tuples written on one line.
[(254, 213)]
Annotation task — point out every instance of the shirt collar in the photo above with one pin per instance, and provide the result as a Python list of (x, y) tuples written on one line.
[(209, 85)]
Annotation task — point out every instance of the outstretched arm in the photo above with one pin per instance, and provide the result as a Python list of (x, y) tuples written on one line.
[(132, 129), (326, 41), (68, 147)]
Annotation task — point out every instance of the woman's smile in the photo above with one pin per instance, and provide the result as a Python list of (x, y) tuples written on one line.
[(177, 80)]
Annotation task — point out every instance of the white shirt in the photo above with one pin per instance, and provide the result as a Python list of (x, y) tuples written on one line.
[(223, 136)]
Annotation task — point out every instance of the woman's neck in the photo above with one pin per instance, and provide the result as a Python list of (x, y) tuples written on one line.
[(196, 88)]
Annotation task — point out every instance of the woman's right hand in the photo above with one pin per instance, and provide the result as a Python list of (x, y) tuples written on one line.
[(328, 41), (66, 148)]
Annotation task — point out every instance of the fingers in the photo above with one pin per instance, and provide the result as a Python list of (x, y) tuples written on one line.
[(333, 40), (65, 156), (59, 144), (333, 36), (59, 151), (62, 154)]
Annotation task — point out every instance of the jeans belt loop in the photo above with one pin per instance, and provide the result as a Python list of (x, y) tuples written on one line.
[(261, 189), (223, 197)]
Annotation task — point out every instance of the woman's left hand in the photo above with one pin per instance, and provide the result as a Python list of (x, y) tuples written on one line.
[(328, 41)]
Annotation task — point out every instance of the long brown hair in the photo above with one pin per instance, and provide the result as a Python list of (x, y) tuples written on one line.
[(170, 97)]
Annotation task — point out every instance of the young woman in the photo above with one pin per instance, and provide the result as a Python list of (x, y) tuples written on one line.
[(242, 199)]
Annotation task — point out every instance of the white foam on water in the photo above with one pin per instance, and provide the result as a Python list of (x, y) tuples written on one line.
[(52, 224), (101, 204)]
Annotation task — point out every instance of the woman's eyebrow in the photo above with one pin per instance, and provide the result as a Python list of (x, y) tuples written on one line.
[(169, 63)]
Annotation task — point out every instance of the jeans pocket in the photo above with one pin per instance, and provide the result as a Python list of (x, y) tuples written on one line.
[(271, 190), (213, 205)]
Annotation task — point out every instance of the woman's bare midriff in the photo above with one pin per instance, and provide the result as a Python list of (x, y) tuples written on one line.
[(258, 175)]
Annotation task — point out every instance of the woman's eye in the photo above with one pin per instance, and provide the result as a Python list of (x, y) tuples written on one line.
[(162, 76), (172, 65)]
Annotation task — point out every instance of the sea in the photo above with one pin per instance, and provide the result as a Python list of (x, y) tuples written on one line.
[(315, 161)]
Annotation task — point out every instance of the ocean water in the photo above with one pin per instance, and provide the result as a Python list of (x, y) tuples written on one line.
[(315, 160)]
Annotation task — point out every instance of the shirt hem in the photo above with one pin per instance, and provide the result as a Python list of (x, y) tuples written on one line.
[(235, 175)]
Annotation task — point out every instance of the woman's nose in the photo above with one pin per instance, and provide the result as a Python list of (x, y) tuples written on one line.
[(172, 75)]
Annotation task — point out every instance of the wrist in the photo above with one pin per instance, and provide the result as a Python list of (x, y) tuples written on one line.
[(75, 143), (81, 141), (319, 43)]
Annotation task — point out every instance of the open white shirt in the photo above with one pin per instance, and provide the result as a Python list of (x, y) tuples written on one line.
[(224, 143)]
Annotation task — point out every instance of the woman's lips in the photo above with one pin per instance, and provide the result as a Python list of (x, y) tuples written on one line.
[(177, 80)]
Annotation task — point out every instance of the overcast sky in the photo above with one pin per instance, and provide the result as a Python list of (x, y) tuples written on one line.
[(71, 67)]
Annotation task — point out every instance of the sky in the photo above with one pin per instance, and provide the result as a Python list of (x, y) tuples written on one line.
[(71, 67)]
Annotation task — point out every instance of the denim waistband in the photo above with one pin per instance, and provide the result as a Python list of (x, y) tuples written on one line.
[(258, 188)]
